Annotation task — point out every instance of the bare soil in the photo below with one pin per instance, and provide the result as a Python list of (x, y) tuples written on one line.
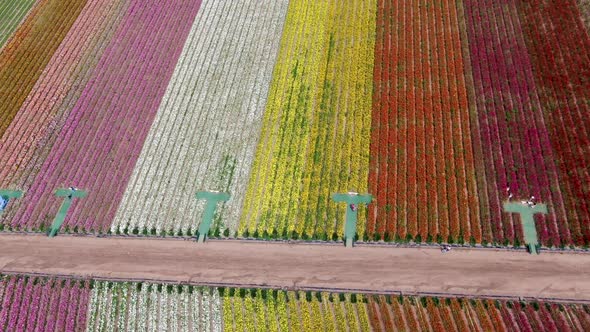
[(461, 271)]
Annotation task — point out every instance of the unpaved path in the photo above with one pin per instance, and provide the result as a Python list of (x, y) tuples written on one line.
[(470, 272)]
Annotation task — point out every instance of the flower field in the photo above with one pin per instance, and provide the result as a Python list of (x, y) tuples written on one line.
[(459, 314), (107, 127), (439, 110), (209, 118), (422, 166), (43, 304), (12, 13), (316, 123), (50, 304), (153, 307)]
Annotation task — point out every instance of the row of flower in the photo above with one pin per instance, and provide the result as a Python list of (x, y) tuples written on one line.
[(205, 132), (422, 165), (584, 6), (315, 131)]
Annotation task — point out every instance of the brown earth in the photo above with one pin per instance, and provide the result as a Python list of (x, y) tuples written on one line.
[(462, 271)]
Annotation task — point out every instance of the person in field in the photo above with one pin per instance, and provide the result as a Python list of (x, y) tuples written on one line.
[(72, 189), (445, 248)]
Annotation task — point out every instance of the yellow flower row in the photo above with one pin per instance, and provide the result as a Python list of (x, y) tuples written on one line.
[(316, 128), (249, 314), (228, 317), (259, 305), (327, 314), (361, 309), (339, 313)]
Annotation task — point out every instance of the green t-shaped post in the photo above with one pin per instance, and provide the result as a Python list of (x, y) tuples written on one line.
[(212, 199), (7, 195), (69, 195), (527, 213), (351, 214)]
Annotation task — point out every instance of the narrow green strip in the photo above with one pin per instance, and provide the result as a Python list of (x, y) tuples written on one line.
[(351, 212), (527, 213), (69, 195), (212, 199)]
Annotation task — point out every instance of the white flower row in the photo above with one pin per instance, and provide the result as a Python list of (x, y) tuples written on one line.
[(216, 314), (196, 311), (92, 310), (206, 131), (113, 308), (132, 309), (142, 310)]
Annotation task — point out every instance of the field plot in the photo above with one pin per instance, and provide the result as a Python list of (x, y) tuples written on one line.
[(42, 304), (440, 110), (205, 134), (104, 132), (272, 310), (123, 306), (508, 111), (22, 60), (560, 53), (12, 13), (48, 304), (316, 126), (422, 165), (32, 134), (465, 112), (457, 314)]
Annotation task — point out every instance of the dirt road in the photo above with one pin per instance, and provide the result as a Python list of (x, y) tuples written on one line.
[(473, 272)]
